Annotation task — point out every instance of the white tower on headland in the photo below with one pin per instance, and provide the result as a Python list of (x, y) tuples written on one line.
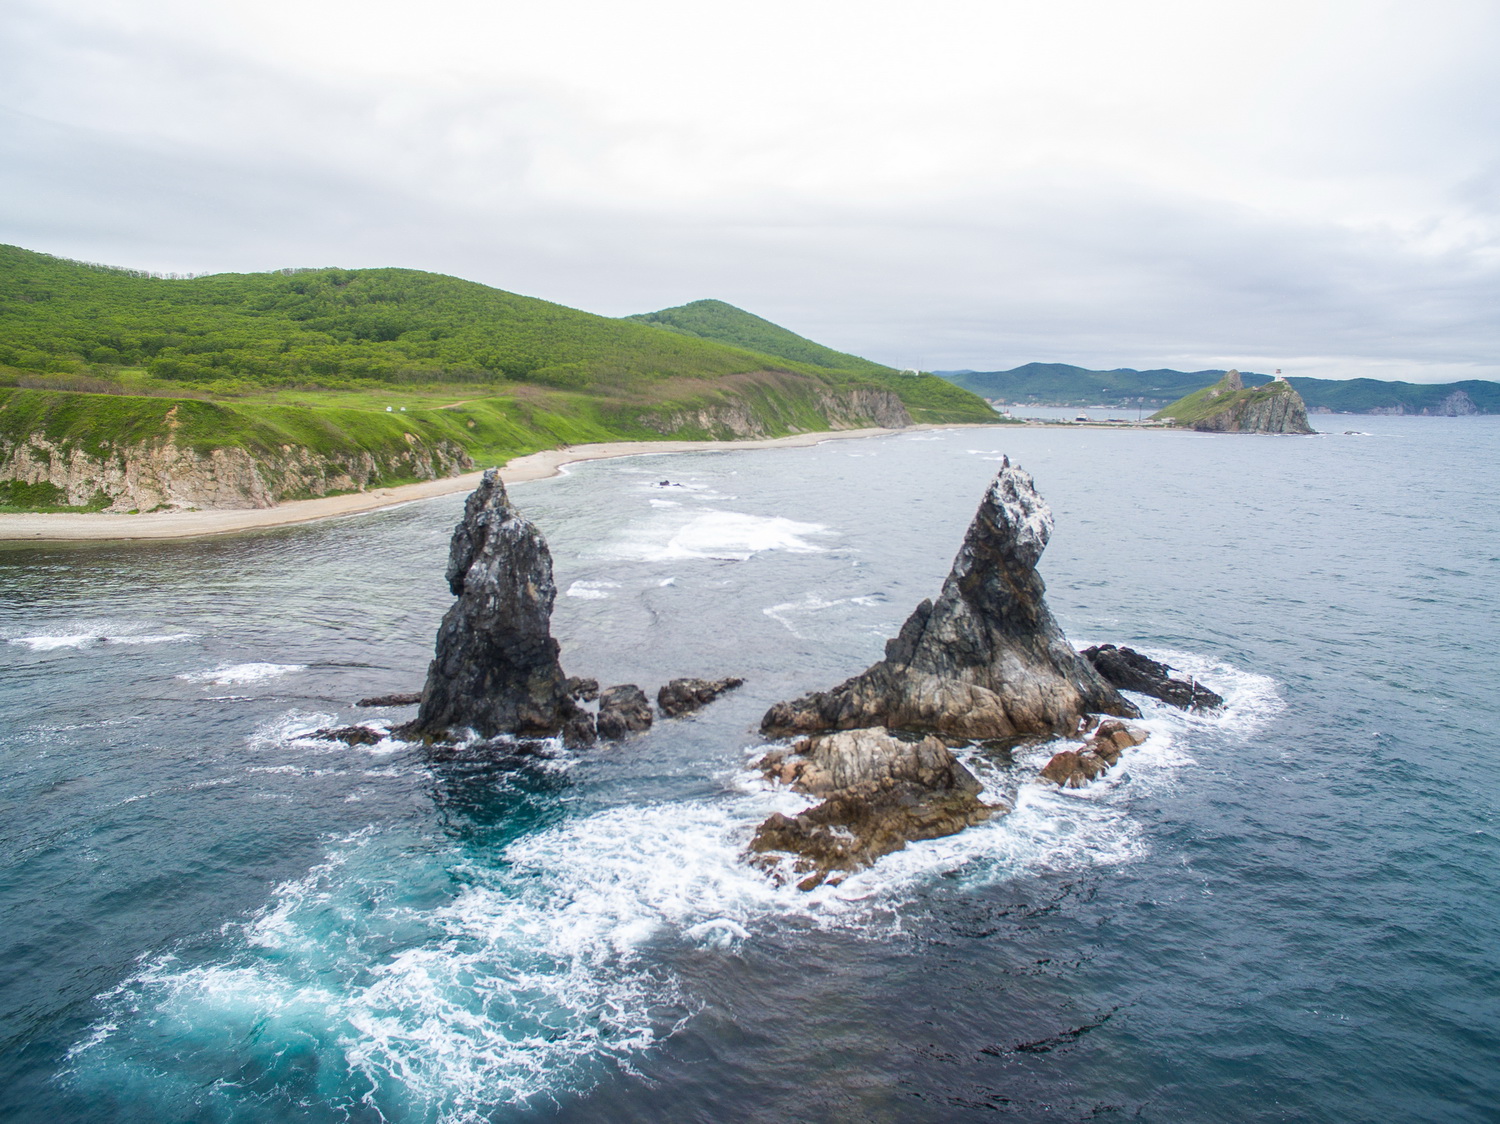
[(1279, 376)]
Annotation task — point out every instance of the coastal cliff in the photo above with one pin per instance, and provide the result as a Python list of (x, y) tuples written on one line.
[(1230, 407), (162, 475)]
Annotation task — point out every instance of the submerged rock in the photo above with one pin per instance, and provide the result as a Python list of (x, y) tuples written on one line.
[(496, 669), (683, 696), (349, 735), (987, 659), (880, 792), (410, 699), (1128, 670), (623, 710)]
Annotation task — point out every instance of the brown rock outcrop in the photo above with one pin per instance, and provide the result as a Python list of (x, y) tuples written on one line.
[(623, 709), (683, 696), (880, 792), (1074, 768)]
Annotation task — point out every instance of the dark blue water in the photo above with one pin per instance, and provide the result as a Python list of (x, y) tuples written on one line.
[(1286, 912)]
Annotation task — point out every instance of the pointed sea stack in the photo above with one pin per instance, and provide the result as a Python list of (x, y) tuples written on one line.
[(496, 670), (987, 659)]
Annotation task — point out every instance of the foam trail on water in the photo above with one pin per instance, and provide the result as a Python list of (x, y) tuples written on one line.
[(722, 535), (404, 980), (227, 675)]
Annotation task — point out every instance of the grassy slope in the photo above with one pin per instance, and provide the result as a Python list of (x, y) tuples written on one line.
[(1067, 385), (927, 399), (330, 358), (1206, 403)]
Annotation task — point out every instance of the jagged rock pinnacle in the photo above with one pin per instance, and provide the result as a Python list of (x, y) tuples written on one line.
[(986, 659), (496, 668)]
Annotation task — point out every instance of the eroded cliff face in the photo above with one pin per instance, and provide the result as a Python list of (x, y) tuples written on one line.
[(164, 475), (1280, 412), (858, 408)]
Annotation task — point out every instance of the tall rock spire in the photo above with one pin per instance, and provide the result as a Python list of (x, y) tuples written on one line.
[(496, 668), (986, 659)]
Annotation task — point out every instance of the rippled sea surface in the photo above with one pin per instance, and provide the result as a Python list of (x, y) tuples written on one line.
[(1288, 911)]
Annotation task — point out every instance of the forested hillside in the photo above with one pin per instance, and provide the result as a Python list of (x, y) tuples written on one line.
[(381, 373)]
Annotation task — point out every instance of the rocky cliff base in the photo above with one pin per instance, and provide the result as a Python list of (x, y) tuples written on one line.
[(162, 475)]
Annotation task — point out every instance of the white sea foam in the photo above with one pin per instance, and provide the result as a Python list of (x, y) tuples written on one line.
[(791, 614), (229, 675), (52, 643), (723, 535), (591, 591), (89, 639), (545, 966)]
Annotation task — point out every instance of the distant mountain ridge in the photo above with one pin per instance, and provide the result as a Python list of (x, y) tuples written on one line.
[(1061, 384)]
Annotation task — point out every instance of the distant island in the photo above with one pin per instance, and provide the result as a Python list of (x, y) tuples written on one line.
[(1229, 406), (124, 391), (1059, 384)]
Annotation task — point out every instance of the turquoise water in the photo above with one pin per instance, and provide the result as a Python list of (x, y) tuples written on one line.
[(1285, 912)]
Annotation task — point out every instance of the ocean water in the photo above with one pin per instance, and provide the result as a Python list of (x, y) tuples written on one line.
[(1287, 911)]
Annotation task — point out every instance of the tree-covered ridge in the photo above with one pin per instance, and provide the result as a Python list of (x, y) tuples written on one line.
[(724, 323), (1061, 384), (328, 327)]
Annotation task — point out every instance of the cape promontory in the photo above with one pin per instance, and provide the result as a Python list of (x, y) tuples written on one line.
[(1231, 407)]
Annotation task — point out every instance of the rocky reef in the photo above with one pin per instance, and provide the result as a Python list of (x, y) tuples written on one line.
[(1230, 407), (683, 696), (496, 668), (986, 659), (1128, 670), (1074, 768), (879, 792)]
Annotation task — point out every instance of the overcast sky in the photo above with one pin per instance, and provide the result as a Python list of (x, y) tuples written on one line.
[(959, 183)]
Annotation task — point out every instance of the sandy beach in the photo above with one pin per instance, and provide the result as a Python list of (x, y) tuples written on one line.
[(534, 466)]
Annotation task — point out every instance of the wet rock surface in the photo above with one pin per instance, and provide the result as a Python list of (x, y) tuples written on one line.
[(583, 690), (349, 735), (496, 668), (623, 709), (986, 659), (683, 696), (408, 699), (880, 792), (1074, 768), (1128, 670)]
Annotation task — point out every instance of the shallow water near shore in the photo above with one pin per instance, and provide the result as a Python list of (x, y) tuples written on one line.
[(1282, 912)]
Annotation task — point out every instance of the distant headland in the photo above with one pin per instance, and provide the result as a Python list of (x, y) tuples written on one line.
[(1060, 384)]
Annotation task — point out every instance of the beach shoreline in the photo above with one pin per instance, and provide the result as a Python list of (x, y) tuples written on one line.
[(82, 527)]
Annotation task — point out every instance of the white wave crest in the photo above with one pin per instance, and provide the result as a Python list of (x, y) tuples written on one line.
[(89, 639), (591, 591), (228, 675), (723, 535)]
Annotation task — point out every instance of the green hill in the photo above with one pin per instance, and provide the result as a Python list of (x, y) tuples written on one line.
[(723, 323), (1060, 384), (365, 366), (928, 397)]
